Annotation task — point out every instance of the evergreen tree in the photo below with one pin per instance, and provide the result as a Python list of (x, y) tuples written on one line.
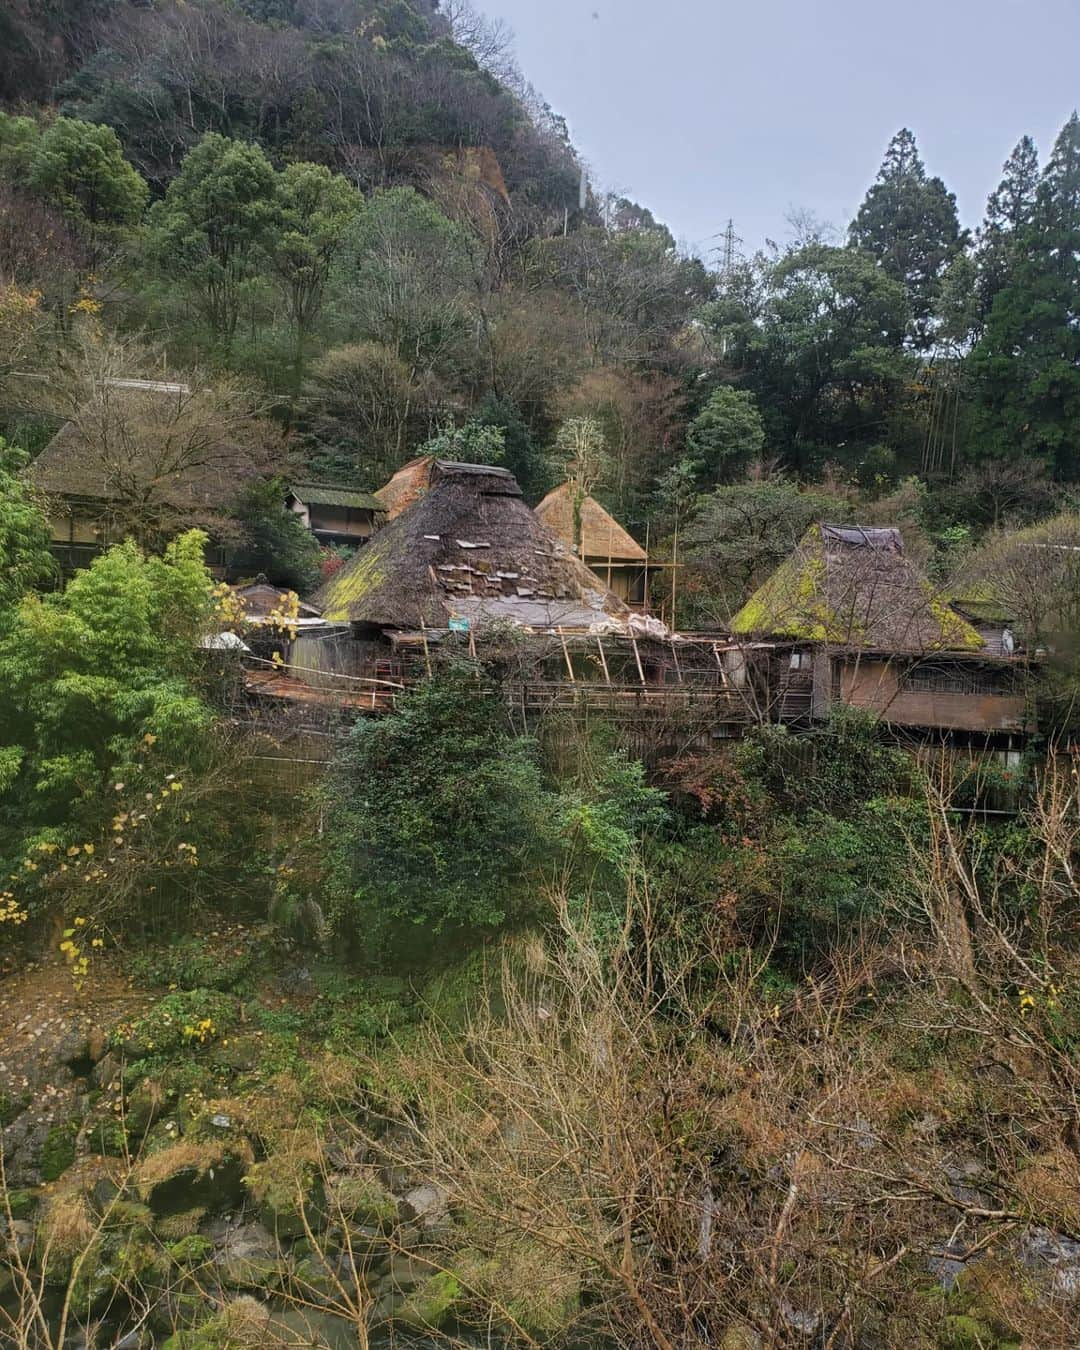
[(1009, 211), (908, 222), (1027, 364)]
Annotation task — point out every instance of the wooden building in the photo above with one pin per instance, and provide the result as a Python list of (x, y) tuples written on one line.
[(135, 461), (335, 514), (603, 546), (849, 619)]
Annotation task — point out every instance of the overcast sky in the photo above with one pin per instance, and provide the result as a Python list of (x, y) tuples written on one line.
[(705, 109)]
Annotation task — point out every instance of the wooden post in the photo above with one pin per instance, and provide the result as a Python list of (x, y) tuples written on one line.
[(674, 574), (637, 658), (566, 654), (603, 658), (675, 658), (427, 652)]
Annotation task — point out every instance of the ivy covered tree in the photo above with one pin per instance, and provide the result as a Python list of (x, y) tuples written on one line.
[(908, 222), (1026, 367), (439, 819)]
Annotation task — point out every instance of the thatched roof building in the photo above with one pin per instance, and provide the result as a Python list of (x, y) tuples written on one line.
[(469, 552), (853, 586)]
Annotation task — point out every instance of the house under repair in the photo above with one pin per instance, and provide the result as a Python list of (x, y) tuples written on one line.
[(601, 543)]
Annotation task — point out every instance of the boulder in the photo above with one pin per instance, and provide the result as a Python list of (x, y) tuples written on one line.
[(250, 1258), (192, 1175)]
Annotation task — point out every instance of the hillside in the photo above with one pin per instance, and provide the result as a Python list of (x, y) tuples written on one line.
[(410, 936)]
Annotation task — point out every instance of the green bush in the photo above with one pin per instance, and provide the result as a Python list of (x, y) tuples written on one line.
[(439, 819)]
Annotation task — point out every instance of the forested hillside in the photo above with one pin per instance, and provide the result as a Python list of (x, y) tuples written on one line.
[(405, 1014)]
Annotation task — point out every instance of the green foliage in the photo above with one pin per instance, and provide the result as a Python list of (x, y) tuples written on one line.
[(186, 1020), (740, 534), (98, 689), (821, 344), (1026, 367), (25, 560), (908, 224), (276, 541), (82, 169), (226, 962), (727, 435), (405, 277), (209, 233), (474, 443), (438, 818), (19, 140)]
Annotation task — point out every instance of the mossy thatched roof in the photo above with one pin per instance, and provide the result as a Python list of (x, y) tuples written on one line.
[(469, 548), (853, 586)]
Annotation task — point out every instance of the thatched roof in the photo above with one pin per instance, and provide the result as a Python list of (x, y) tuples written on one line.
[(853, 586), (602, 536), (469, 548), (408, 485), (137, 440)]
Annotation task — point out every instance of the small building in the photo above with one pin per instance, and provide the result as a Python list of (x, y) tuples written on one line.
[(605, 547), (336, 514), (849, 619)]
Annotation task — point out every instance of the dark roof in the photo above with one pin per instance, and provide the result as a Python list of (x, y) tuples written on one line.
[(853, 586), (259, 598), (331, 494), (468, 548), (601, 534)]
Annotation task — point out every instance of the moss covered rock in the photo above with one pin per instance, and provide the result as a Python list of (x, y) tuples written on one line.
[(289, 1193), (192, 1175), (57, 1151), (432, 1302)]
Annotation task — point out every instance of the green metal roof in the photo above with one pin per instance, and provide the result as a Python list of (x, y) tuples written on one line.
[(329, 494)]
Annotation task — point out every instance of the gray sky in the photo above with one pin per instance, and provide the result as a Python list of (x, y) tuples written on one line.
[(705, 109)]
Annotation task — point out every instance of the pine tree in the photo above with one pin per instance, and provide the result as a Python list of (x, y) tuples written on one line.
[(908, 222), (1010, 209), (1027, 364)]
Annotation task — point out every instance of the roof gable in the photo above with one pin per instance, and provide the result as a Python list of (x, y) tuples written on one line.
[(602, 536), (331, 494)]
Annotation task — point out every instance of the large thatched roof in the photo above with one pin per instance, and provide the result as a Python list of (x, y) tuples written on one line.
[(468, 548), (602, 536), (853, 586)]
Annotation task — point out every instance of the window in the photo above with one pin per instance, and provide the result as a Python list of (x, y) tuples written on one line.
[(955, 679), (799, 661)]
